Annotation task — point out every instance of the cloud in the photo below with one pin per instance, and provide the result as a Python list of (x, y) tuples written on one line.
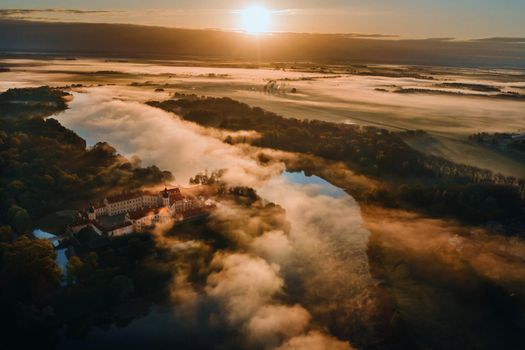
[(243, 284), (243, 224), (182, 291), (512, 40), (314, 340), (321, 252), (451, 245), (441, 39), (16, 11), (273, 323), (274, 246), (30, 13), (246, 287)]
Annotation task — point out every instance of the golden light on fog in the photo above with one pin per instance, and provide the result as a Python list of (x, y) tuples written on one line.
[(256, 19)]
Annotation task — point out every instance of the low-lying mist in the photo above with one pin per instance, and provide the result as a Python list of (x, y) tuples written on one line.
[(465, 283)]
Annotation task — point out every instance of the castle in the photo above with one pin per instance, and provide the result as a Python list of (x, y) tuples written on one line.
[(135, 211)]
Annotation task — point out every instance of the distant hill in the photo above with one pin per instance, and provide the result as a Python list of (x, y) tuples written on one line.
[(132, 41)]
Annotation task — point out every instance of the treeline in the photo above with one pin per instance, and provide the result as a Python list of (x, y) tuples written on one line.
[(374, 150), (512, 141), (463, 191), (207, 179)]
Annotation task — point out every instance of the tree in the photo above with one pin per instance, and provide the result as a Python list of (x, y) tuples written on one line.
[(28, 270), (137, 248), (122, 287), (21, 222), (6, 233), (80, 270), (74, 268)]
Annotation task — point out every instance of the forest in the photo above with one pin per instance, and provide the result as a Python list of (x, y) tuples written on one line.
[(411, 179)]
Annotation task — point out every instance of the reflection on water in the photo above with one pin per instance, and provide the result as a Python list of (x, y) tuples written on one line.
[(330, 275), (162, 328), (323, 186)]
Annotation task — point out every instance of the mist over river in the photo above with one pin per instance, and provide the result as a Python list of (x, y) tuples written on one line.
[(322, 261)]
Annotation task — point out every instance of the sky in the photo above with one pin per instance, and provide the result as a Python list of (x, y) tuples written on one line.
[(464, 19)]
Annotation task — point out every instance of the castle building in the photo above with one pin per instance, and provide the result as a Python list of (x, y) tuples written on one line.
[(135, 211)]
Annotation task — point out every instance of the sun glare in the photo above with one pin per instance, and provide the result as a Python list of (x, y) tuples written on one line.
[(256, 19)]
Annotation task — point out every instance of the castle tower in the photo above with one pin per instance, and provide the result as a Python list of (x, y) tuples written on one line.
[(165, 197), (91, 212)]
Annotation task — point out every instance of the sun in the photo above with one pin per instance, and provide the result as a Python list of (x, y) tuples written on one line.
[(256, 19)]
